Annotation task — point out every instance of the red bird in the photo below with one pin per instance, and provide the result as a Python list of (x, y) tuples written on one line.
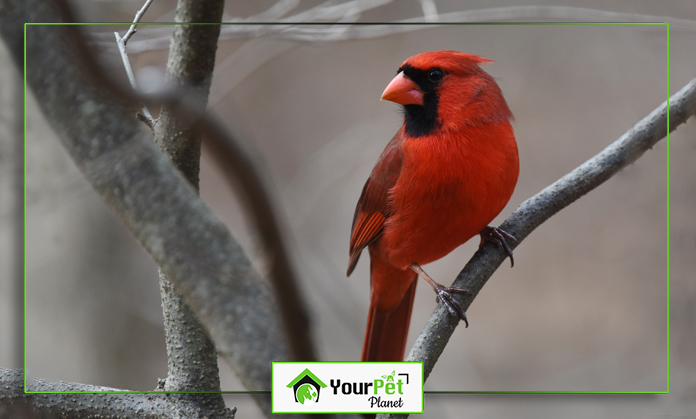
[(448, 171)]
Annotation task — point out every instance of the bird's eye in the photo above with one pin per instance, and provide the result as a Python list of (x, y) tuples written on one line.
[(435, 75)]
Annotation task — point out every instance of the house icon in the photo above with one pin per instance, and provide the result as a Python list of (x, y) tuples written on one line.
[(306, 387)]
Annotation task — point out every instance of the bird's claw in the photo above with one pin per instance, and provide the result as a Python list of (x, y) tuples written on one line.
[(444, 295), (497, 236)]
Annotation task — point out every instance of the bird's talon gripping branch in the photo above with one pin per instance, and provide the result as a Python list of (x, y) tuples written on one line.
[(450, 290), (498, 237), (445, 294)]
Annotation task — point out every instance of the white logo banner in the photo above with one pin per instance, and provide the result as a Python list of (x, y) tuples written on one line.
[(347, 387)]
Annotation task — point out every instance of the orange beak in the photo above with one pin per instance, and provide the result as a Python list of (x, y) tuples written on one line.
[(403, 91)]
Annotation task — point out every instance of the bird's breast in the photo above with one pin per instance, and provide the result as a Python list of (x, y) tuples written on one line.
[(450, 187)]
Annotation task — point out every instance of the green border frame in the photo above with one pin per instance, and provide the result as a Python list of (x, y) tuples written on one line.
[(666, 24), (352, 362)]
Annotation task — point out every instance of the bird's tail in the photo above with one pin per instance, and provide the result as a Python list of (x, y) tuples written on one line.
[(391, 301)]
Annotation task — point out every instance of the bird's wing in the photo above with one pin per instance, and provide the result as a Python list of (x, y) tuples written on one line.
[(373, 207)]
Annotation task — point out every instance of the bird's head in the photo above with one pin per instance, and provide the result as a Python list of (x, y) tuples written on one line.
[(445, 90)]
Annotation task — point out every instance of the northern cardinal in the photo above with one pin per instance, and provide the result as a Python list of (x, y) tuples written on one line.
[(448, 171)]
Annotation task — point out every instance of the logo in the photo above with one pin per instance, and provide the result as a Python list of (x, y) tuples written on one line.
[(306, 387), (347, 387)]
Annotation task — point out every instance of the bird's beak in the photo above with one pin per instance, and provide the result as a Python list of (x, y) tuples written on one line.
[(403, 91)]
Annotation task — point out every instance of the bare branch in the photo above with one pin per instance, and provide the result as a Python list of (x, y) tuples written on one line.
[(199, 255), (539, 208), (191, 356), (146, 116), (64, 399), (134, 26), (173, 133), (153, 199)]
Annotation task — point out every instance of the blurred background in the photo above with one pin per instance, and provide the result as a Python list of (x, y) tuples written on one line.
[(585, 307)]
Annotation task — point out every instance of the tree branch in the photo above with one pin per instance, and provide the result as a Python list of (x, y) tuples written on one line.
[(146, 117), (189, 74), (242, 170), (539, 208), (155, 202), (191, 356), (187, 242), (134, 27), (63, 399)]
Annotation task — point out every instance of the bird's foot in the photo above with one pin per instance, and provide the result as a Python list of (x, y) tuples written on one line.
[(445, 295), (497, 236)]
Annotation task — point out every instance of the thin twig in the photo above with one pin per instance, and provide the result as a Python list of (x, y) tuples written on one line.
[(145, 116), (134, 26)]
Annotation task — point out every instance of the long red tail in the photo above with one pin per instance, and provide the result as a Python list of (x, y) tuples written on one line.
[(391, 301)]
